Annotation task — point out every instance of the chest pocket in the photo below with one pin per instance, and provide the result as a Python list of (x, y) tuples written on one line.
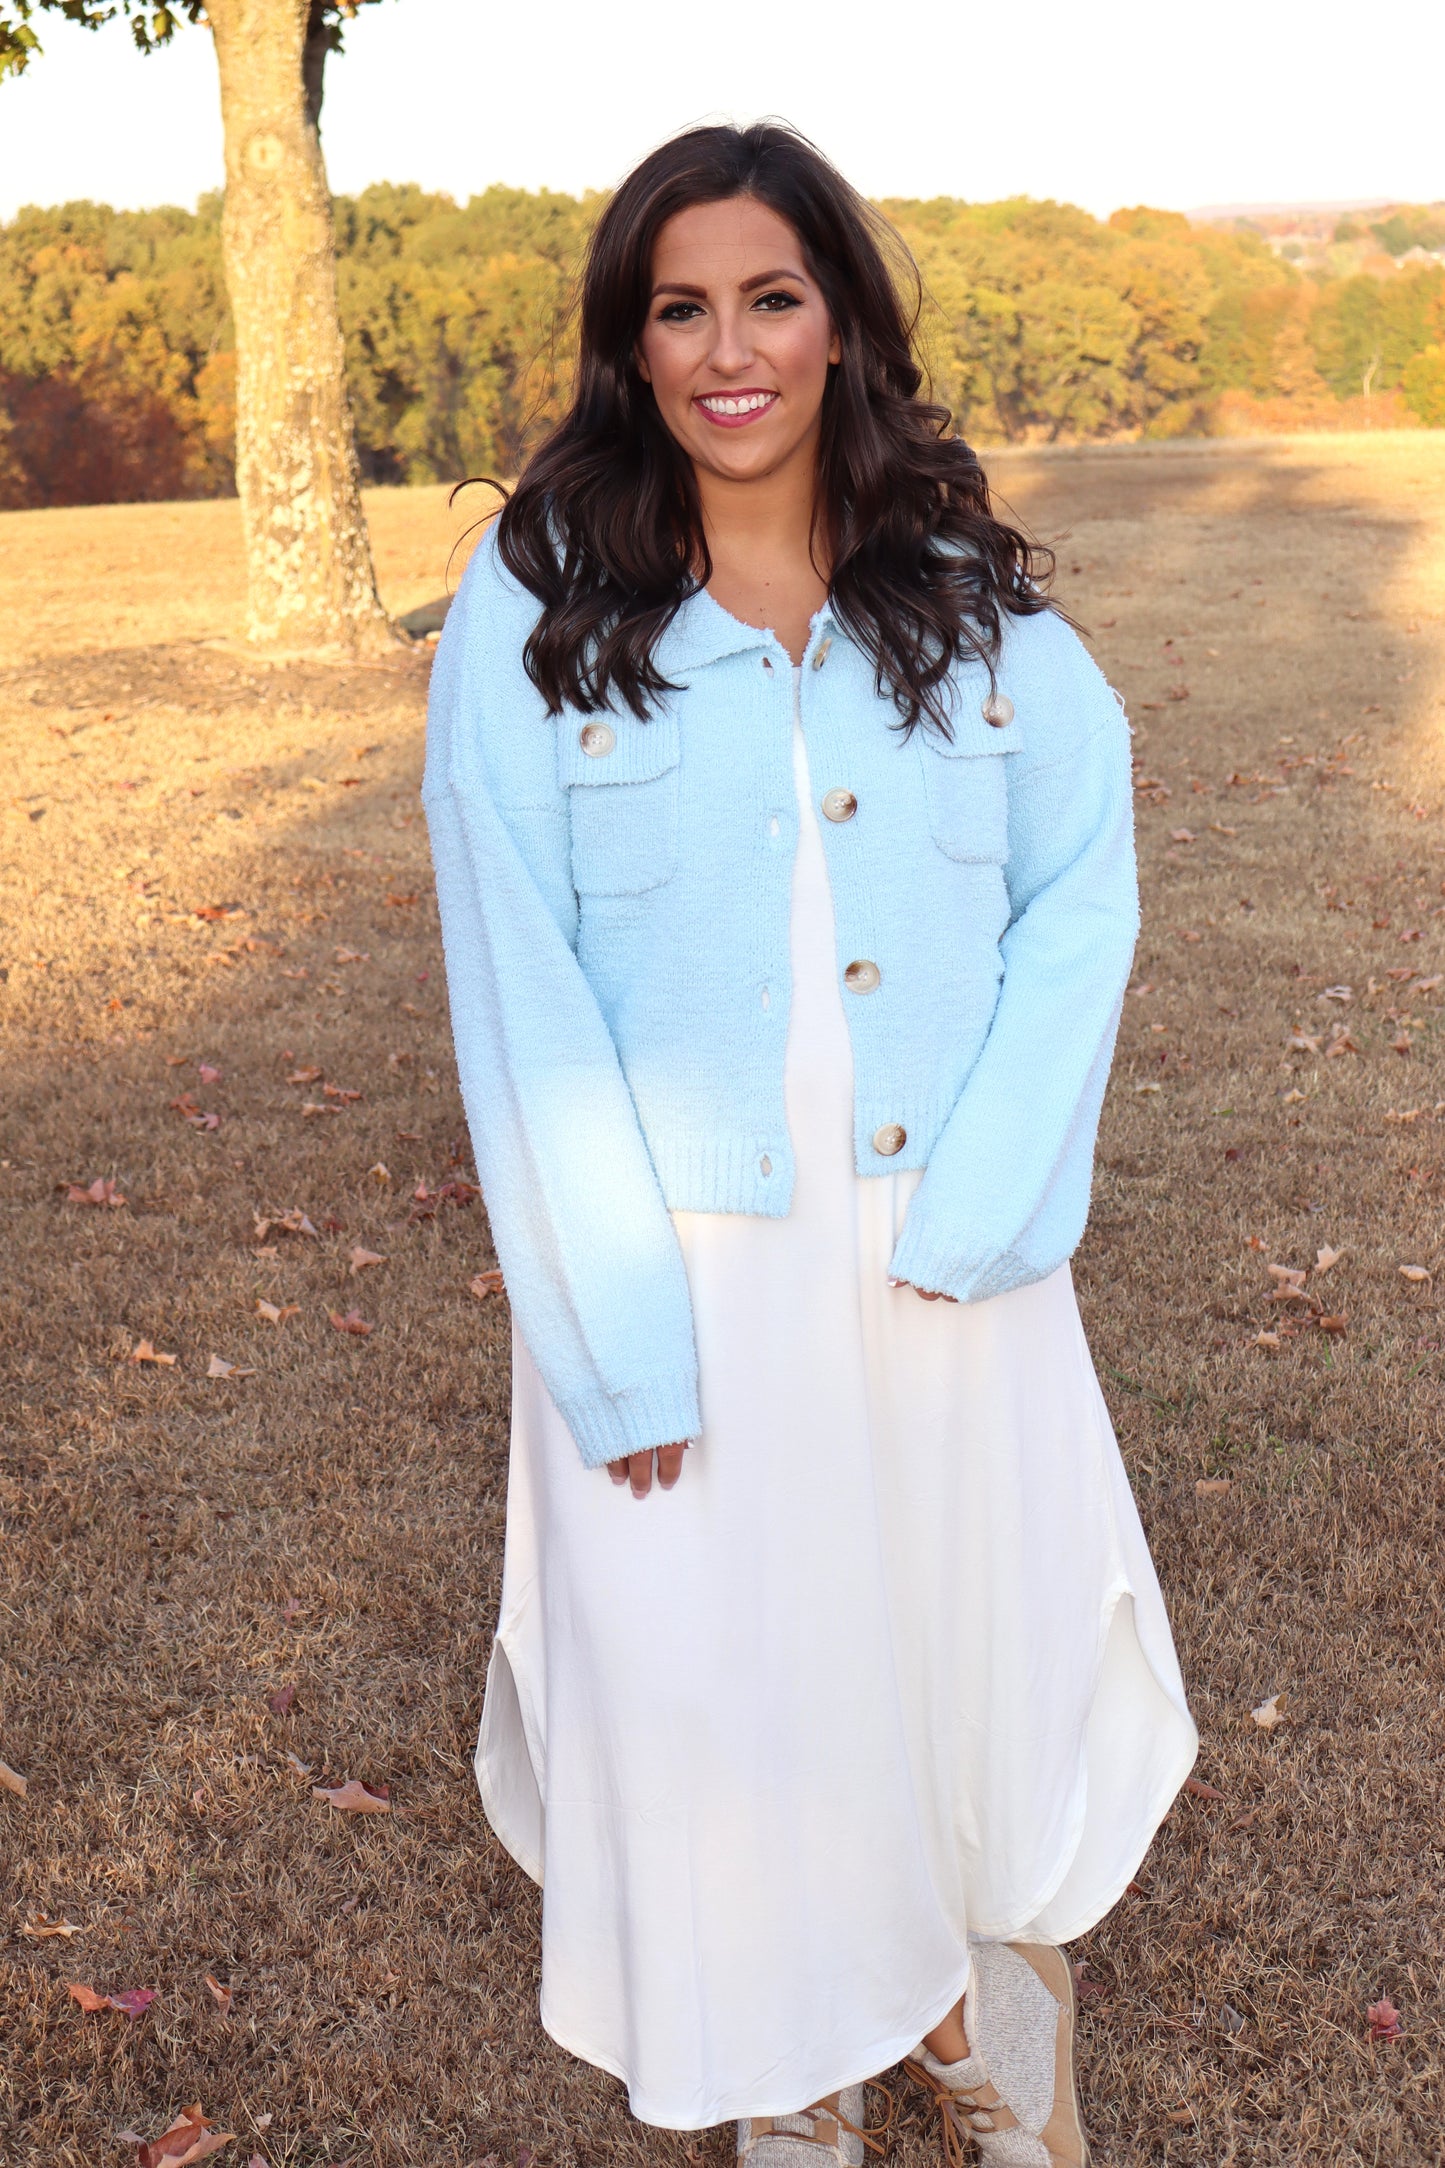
[(621, 779), (967, 787)]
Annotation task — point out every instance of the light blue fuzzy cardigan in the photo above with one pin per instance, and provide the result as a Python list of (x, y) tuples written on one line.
[(615, 904)]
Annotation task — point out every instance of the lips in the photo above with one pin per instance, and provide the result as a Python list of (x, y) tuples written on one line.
[(735, 409)]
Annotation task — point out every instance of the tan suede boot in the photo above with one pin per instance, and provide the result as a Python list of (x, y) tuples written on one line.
[(1014, 2094)]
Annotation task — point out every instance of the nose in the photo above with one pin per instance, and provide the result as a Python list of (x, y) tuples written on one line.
[(733, 352)]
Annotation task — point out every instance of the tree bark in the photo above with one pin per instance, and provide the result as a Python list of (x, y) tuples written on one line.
[(310, 582)]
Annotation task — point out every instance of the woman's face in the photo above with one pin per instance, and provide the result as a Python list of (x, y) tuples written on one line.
[(738, 339)]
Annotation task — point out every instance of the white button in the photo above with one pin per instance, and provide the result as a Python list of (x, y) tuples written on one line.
[(890, 1138), (998, 709), (822, 655), (862, 976), (765, 1165), (840, 805), (597, 739)]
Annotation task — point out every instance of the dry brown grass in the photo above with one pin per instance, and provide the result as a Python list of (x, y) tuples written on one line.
[(178, 1548)]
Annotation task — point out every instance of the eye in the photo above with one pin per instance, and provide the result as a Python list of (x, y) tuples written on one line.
[(678, 312), (777, 301)]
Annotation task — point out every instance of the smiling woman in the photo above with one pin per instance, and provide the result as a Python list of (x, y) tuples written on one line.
[(738, 265), (784, 854)]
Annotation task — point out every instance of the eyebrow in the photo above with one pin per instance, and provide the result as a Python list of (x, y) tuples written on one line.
[(699, 293)]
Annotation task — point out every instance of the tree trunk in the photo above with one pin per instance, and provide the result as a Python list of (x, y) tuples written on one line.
[(308, 561)]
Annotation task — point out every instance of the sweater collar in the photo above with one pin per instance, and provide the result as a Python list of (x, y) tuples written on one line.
[(703, 631)]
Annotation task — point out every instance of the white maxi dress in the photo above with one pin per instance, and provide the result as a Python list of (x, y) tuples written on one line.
[(888, 1668)]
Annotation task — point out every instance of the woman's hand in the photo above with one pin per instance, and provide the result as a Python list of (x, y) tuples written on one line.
[(636, 1468), (924, 1294)]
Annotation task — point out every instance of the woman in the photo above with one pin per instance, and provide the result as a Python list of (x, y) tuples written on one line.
[(783, 845)]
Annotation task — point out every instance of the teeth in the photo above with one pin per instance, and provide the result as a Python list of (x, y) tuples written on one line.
[(748, 405)]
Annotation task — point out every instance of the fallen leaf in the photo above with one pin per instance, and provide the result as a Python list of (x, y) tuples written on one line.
[(380, 1172), (1383, 2019), (218, 1367), (337, 1091), (102, 1191), (12, 1781), (353, 956), (132, 2002), (42, 1929), (361, 1258), (279, 1702), (1338, 993), (314, 1107), (190, 2138), (1340, 1043), (290, 1610), (275, 1315), (208, 1075), (221, 1994), (1256, 1242), (302, 1768), (293, 1222), (305, 1076), (1300, 1042), (399, 903), (1182, 835), (1334, 1323), (352, 1322), (1265, 1339), (1233, 2021), (1291, 1098), (1200, 1789), (1269, 1713), (1418, 1275), (483, 1284), (1326, 1258), (143, 1352), (1213, 1486), (355, 1797), (1148, 1087)]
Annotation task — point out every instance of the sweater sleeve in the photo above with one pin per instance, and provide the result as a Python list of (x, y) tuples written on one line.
[(1005, 1194), (591, 1259)]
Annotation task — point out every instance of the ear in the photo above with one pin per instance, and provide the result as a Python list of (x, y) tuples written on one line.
[(641, 361), (835, 345)]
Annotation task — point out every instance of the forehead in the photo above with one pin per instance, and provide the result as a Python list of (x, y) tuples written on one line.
[(724, 243)]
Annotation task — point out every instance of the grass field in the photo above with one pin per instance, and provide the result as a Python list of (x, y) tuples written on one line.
[(221, 1591)]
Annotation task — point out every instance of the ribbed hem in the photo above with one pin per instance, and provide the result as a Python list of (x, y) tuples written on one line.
[(724, 1173), (968, 1275), (609, 1426)]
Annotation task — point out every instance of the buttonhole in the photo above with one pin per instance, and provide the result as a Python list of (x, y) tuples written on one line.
[(767, 997), (773, 825), (765, 1165)]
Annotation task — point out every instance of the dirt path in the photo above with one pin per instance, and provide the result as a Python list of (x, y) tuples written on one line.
[(210, 860)]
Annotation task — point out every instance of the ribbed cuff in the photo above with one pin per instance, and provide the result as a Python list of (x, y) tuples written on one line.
[(609, 1426), (921, 1259)]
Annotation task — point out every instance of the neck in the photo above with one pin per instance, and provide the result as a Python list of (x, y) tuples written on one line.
[(767, 521)]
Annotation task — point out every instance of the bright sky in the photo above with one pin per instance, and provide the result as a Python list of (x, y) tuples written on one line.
[(1122, 101)]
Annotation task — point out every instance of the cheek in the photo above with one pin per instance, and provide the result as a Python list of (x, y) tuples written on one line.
[(667, 367), (801, 351)]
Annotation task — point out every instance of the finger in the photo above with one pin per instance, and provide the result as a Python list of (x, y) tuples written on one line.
[(669, 1463), (639, 1470), (926, 1295), (617, 1469)]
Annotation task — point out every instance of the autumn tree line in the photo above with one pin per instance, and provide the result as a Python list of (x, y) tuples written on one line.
[(1041, 324)]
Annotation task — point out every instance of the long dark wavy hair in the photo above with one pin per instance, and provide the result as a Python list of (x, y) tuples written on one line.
[(604, 526)]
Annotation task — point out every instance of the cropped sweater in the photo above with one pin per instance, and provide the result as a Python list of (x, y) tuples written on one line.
[(615, 908)]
